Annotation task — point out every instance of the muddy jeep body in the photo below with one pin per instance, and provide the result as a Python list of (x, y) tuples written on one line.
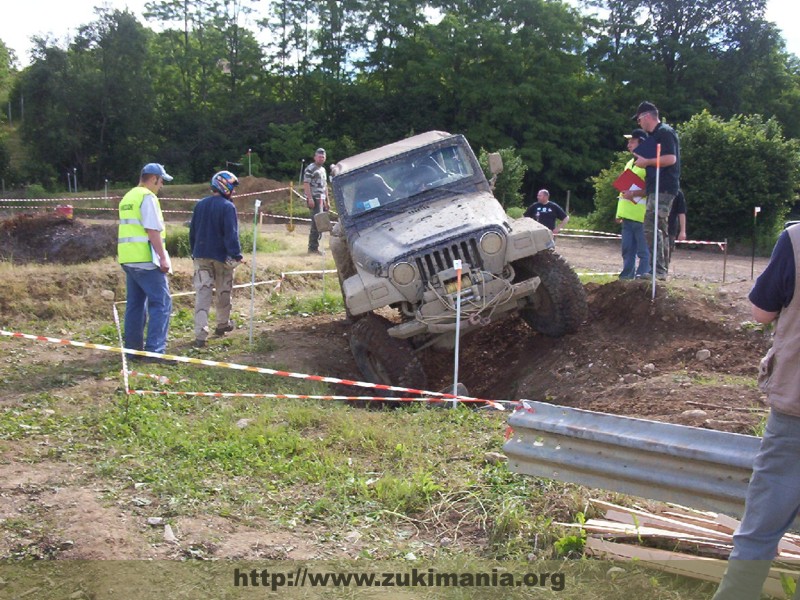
[(408, 212)]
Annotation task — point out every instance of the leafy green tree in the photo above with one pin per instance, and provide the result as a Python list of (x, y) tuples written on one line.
[(48, 135), (509, 183), (287, 146), (8, 61), (109, 62), (666, 51), (730, 167)]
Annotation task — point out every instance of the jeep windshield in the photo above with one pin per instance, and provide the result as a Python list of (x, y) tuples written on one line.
[(390, 183)]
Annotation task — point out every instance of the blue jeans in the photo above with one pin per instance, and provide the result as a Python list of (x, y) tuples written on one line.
[(634, 245), (147, 290)]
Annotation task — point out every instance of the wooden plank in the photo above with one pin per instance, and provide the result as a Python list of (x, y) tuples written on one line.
[(707, 569), (706, 522), (611, 527), (788, 547), (644, 519)]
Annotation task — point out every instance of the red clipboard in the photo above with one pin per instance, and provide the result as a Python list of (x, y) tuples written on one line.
[(628, 180)]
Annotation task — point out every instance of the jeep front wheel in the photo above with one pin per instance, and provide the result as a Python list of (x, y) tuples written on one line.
[(384, 359), (558, 306)]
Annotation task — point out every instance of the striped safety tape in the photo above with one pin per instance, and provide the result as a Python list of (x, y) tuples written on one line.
[(721, 245), (563, 231), (82, 198), (594, 237), (60, 199), (298, 396), (615, 236), (285, 217), (239, 367)]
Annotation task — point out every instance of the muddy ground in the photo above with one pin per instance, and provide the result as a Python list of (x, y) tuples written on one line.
[(688, 357)]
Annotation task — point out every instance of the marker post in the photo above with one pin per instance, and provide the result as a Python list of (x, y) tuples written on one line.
[(253, 270), (457, 267)]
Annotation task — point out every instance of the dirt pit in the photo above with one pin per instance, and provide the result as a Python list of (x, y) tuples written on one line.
[(54, 238), (686, 358)]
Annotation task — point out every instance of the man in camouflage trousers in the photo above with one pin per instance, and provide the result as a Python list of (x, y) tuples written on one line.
[(315, 186), (214, 239)]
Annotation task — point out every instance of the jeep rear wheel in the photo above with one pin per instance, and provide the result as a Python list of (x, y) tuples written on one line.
[(384, 359), (558, 306)]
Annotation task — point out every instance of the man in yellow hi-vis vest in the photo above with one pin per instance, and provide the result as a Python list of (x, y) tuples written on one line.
[(143, 256), (631, 208)]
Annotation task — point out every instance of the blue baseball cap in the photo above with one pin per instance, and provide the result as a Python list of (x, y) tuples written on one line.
[(156, 169)]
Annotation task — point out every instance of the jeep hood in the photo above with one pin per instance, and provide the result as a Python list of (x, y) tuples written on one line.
[(426, 225)]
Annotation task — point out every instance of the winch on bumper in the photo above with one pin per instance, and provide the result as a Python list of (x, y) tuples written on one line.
[(484, 298)]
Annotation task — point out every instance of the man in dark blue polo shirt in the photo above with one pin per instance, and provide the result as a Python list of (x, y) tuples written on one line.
[(668, 184)]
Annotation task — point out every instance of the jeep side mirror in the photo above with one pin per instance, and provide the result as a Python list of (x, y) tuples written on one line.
[(495, 163), (323, 221)]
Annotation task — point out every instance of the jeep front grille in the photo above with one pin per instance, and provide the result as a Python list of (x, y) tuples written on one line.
[(432, 263)]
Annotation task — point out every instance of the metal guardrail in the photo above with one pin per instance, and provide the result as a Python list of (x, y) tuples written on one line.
[(700, 468)]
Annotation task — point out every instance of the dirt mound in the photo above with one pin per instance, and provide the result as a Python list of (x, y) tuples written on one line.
[(632, 357), (251, 184), (50, 237)]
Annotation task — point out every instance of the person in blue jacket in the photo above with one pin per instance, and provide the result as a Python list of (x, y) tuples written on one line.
[(216, 251)]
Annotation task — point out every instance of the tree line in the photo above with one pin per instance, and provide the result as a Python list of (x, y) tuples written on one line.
[(195, 88)]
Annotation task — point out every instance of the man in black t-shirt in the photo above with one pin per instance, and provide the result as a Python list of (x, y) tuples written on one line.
[(547, 213)]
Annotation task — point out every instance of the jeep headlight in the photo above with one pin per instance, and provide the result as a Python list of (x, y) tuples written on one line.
[(491, 242), (403, 273)]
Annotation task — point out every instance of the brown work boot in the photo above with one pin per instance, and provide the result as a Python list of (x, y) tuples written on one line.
[(223, 329)]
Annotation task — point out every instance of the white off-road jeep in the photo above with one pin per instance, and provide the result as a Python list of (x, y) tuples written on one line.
[(407, 212)]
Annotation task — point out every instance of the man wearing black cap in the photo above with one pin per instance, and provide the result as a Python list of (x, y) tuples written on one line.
[(315, 186), (669, 180)]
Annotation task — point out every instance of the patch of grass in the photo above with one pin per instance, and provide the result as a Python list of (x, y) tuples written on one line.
[(327, 303), (599, 279)]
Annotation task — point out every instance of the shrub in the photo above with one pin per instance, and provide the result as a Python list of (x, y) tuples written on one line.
[(508, 184)]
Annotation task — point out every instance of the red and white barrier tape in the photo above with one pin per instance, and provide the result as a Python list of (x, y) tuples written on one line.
[(70, 200), (603, 233), (165, 211), (285, 217), (291, 396), (615, 236), (498, 404), (62, 200), (592, 237), (721, 245)]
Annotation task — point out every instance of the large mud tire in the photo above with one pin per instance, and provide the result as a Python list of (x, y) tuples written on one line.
[(559, 305), (384, 359)]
